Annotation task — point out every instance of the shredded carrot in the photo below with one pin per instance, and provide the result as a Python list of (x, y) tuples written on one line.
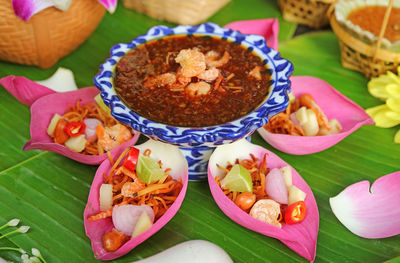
[(118, 161), (110, 158), (147, 152)]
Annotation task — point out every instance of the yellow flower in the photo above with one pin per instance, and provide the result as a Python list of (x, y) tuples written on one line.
[(387, 88)]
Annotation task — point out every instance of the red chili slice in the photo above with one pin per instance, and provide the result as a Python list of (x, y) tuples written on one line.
[(295, 213), (131, 159), (75, 129)]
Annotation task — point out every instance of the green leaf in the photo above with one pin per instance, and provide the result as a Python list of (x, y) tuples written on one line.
[(48, 191)]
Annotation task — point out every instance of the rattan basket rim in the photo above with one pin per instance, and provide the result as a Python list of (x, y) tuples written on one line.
[(358, 45)]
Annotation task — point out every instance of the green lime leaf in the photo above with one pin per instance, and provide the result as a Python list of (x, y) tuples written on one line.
[(148, 170), (238, 179)]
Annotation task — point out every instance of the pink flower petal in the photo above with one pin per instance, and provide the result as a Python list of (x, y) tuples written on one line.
[(43, 109), (301, 237), (109, 4), (171, 157), (27, 8), (350, 116), (24, 90), (268, 28), (371, 213)]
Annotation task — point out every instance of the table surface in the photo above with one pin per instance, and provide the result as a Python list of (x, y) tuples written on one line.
[(48, 191)]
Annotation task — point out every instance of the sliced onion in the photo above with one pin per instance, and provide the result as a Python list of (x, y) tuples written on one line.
[(294, 119), (125, 217), (91, 124), (275, 186)]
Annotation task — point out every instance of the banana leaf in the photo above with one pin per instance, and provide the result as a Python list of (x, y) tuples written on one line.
[(48, 191)]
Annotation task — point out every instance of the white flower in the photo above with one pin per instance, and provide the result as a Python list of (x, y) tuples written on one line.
[(13, 222), (23, 229)]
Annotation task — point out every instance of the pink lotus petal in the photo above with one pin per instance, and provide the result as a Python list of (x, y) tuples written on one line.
[(268, 28), (24, 90), (371, 213), (171, 157), (334, 105), (109, 4), (27, 8), (43, 109), (301, 237)]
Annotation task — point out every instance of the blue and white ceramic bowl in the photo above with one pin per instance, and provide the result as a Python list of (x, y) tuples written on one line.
[(198, 143)]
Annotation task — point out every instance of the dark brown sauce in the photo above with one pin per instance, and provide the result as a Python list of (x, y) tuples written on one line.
[(176, 108)]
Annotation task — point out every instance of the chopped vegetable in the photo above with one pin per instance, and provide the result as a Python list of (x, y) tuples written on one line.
[(91, 124), (303, 117), (76, 144), (245, 200), (113, 240), (295, 213), (238, 179), (105, 197), (53, 124), (275, 186), (60, 136), (335, 128), (74, 129), (125, 217), (308, 121), (287, 175), (295, 195), (131, 159), (148, 170), (143, 224)]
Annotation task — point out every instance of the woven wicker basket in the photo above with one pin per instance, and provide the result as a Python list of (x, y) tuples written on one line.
[(184, 12), (48, 35), (308, 12), (362, 57)]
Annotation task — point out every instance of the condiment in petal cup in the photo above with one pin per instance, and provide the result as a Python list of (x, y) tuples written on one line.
[(172, 158), (300, 237), (333, 104), (43, 110)]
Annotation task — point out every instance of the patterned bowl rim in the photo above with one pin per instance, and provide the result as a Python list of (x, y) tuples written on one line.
[(275, 102)]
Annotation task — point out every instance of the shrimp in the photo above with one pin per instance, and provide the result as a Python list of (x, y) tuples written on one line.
[(212, 61), (192, 62), (181, 79), (255, 73), (198, 88), (308, 101), (267, 210), (111, 137), (209, 75), (130, 188), (157, 81), (101, 215)]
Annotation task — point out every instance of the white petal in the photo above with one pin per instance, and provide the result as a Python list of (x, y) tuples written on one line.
[(61, 81)]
